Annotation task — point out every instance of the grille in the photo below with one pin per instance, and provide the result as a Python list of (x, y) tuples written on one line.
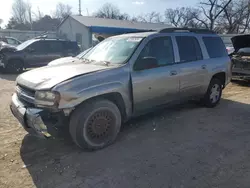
[(25, 95), (241, 63)]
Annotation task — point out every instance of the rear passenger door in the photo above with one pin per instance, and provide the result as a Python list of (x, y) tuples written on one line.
[(193, 68), (71, 48), (37, 54)]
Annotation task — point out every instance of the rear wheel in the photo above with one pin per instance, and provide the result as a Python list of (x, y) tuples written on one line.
[(213, 95), (14, 66), (95, 125)]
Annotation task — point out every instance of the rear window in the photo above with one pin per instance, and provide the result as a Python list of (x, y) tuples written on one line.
[(215, 47), (189, 49)]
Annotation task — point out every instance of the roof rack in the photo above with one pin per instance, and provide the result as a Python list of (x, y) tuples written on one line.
[(186, 29)]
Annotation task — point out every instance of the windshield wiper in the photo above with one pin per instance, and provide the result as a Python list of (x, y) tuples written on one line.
[(107, 63)]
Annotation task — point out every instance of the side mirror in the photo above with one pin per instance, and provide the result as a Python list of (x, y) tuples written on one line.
[(146, 63)]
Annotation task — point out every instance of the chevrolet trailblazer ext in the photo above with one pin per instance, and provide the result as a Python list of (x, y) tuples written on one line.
[(122, 77)]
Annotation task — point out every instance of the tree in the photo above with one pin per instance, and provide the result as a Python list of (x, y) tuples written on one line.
[(182, 17), (211, 10), (62, 11), (38, 15), (29, 12), (111, 11), (235, 17), (19, 11), (14, 24), (152, 17), (46, 23), (1, 21)]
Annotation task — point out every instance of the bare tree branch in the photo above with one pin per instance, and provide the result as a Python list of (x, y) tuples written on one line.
[(110, 11), (62, 11)]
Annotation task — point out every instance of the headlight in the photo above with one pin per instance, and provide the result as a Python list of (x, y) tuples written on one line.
[(46, 98)]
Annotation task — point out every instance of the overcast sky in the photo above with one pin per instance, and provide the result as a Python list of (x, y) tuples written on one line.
[(132, 7)]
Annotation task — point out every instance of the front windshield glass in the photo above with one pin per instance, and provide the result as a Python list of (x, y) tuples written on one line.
[(114, 50), (81, 55), (24, 44)]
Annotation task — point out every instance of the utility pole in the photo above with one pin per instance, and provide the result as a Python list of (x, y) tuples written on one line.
[(80, 7)]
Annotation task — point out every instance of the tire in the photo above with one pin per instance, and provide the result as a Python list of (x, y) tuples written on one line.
[(213, 94), (95, 125), (14, 66)]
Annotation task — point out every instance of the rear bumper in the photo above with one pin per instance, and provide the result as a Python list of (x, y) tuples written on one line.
[(37, 121)]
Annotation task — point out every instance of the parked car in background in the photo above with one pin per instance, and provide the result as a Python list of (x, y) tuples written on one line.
[(10, 40), (70, 59), (241, 57), (122, 77), (36, 53)]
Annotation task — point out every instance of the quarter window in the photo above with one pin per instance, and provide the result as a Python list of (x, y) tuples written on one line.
[(189, 49), (215, 47)]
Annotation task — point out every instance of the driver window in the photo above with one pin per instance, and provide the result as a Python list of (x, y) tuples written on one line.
[(159, 48), (39, 47)]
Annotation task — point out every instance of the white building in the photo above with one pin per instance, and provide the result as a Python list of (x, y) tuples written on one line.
[(83, 28)]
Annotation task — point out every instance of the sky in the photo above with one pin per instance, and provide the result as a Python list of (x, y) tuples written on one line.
[(132, 7)]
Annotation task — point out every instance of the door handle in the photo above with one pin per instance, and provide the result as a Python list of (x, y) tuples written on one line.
[(173, 73), (204, 66)]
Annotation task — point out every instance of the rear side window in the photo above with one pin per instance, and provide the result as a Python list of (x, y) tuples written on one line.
[(215, 47), (71, 46), (189, 48), (55, 46)]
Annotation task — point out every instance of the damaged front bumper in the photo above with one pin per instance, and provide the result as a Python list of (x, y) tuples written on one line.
[(37, 121), (239, 73)]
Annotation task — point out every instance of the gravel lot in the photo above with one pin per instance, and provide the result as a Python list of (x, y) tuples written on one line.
[(188, 146)]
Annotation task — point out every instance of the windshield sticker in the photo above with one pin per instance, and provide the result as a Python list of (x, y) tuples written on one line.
[(134, 39)]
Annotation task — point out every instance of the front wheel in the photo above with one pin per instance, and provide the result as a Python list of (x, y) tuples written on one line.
[(95, 125), (213, 94), (14, 66)]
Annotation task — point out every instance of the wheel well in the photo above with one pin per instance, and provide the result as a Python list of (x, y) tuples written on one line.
[(221, 76), (16, 59), (117, 99)]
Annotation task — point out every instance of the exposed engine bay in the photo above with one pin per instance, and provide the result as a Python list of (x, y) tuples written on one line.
[(241, 57)]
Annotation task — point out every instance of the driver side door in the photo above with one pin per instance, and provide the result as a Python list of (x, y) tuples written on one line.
[(36, 54), (153, 86)]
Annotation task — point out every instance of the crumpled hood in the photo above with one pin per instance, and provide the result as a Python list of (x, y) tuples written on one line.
[(240, 41), (48, 76), (63, 60), (4, 47)]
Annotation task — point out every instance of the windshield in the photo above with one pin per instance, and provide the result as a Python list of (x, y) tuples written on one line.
[(114, 50), (81, 55), (24, 44)]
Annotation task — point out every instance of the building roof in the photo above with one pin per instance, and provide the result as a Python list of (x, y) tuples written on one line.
[(103, 22)]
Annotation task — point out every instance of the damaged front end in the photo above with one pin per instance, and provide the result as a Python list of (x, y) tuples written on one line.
[(241, 67), (241, 57)]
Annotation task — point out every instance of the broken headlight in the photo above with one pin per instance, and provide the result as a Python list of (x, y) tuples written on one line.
[(46, 98)]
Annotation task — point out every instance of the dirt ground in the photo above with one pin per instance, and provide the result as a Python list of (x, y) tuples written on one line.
[(186, 146)]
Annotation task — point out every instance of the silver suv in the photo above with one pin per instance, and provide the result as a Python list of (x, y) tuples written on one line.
[(122, 77)]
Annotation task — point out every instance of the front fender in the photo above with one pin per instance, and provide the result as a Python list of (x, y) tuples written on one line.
[(71, 100)]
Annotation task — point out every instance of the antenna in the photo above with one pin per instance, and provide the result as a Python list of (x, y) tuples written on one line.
[(80, 7)]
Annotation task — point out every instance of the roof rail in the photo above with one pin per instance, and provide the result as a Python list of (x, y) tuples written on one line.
[(186, 29)]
